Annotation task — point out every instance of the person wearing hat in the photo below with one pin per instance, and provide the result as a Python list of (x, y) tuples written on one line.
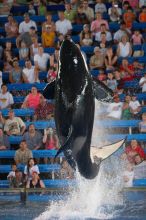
[(97, 60), (25, 25), (26, 37)]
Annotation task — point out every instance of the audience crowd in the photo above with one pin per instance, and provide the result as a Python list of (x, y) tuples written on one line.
[(115, 59)]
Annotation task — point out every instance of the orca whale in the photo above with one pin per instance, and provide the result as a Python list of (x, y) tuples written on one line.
[(75, 93)]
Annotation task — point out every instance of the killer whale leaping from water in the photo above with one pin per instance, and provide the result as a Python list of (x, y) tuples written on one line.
[(75, 93)]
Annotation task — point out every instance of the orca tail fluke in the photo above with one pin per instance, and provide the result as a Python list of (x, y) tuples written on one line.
[(106, 151)]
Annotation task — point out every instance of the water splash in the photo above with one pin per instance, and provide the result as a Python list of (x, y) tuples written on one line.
[(94, 199)]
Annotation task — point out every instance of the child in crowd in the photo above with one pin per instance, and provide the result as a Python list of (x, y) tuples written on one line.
[(135, 107), (15, 177), (111, 82), (66, 171)]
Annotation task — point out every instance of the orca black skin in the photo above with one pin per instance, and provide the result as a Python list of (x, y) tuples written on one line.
[(74, 109), (75, 93)]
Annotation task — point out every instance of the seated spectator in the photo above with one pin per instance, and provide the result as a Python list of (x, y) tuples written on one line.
[(52, 74), (15, 75), (42, 8), (30, 73), (124, 48), (5, 7), (30, 168), (81, 17), (33, 138), (35, 182), (15, 177), (102, 76), (50, 139), (129, 17), (103, 30), (25, 25), (41, 59), (4, 141), (31, 10), (86, 38), (110, 59), (114, 110), (142, 82), (135, 107), (49, 22), (138, 67), (51, 142), (26, 37), (133, 149), (103, 44), (63, 26), (60, 40), (126, 109), (32, 100), (69, 13), (44, 111), (23, 51), (54, 59), (14, 125), (133, 4), (97, 60), (111, 82), (128, 175), (2, 121), (137, 38), (115, 12), (96, 24), (88, 10), (142, 124), (121, 32), (6, 98), (23, 154), (140, 168), (142, 15), (48, 36), (8, 50), (100, 7), (34, 48), (11, 27), (126, 70), (66, 171)]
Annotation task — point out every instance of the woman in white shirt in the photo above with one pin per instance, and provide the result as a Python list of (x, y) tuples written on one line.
[(124, 47), (30, 168)]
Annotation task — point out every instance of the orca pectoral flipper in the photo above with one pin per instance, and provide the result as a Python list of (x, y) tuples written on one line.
[(106, 151)]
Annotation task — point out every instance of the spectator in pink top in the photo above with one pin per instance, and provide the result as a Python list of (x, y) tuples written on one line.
[(137, 38), (32, 100), (96, 24)]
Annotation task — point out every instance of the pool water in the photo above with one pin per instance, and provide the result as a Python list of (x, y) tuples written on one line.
[(18, 211)]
